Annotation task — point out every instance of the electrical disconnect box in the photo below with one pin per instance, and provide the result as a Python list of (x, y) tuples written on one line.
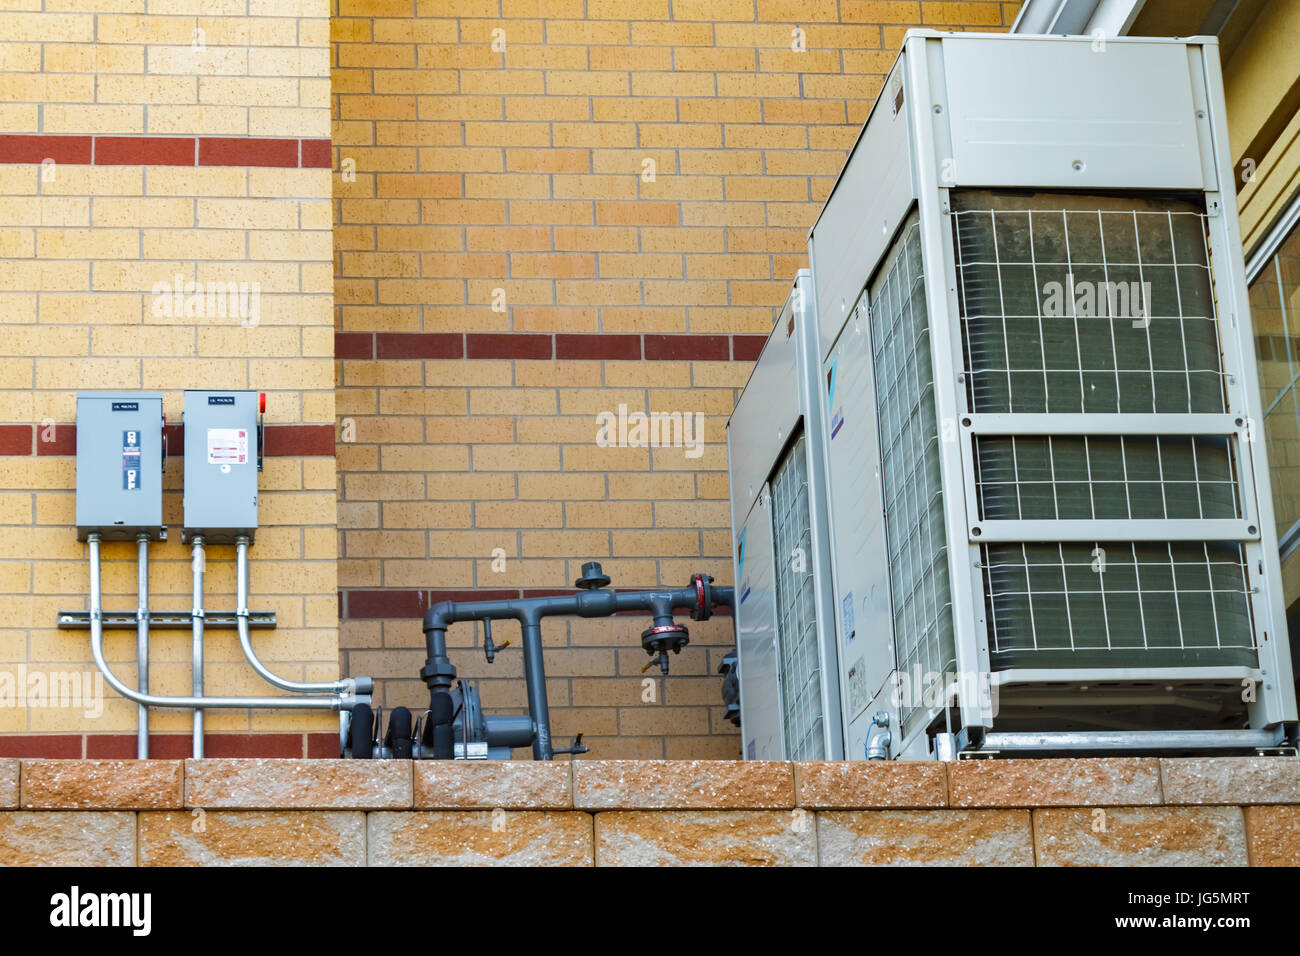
[(222, 458), (119, 464)]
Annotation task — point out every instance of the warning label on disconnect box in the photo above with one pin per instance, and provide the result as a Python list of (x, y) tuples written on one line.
[(227, 446)]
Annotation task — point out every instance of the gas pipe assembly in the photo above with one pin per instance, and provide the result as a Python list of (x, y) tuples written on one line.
[(455, 727)]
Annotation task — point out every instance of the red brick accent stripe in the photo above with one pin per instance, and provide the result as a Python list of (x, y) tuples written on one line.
[(598, 346), (745, 348), (361, 604), (511, 345), (368, 604), (26, 148), (241, 151), (143, 151), (63, 746), (282, 441), (299, 441), (685, 347), (167, 151), (168, 746), (15, 439), (354, 345), (315, 154), (419, 345)]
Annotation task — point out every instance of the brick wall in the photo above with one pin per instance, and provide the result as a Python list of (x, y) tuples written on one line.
[(142, 140), (1117, 812), (545, 211)]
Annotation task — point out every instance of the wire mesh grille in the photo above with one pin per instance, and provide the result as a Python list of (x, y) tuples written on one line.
[(1102, 309), (1117, 604), (1105, 477), (909, 442), (796, 611), (1098, 304)]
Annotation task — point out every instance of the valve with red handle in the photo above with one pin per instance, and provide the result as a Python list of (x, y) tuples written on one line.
[(261, 429), (666, 635)]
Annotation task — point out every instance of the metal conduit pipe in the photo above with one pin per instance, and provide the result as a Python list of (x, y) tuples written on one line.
[(337, 702), (196, 627), (142, 644), (346, 685)]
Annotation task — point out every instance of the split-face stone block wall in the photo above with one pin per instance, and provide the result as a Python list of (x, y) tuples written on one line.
[(1087, 812)]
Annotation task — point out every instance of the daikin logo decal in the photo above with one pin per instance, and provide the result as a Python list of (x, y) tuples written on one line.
[(740, 567), (837, 419)]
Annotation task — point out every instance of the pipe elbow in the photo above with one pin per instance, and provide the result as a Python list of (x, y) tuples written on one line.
[(879, 738), (439, 616), (878, 746)]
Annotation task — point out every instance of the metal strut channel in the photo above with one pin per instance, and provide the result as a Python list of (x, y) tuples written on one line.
[(164, 620)]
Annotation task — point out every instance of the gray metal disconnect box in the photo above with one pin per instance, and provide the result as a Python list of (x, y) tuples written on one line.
[(221, 456), (119, 464)]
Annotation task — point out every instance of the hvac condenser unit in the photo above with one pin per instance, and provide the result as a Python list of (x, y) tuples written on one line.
[(1050, 522), (789, 693)]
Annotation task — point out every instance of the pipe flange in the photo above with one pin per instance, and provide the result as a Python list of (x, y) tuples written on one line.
[(703, 609), (665, 637)]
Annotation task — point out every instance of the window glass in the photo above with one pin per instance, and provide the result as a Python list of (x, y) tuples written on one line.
[(1275, 312)]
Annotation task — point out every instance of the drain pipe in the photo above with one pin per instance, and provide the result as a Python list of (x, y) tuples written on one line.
[(346, 685), (196, 626), (338, 702), (142, 644)]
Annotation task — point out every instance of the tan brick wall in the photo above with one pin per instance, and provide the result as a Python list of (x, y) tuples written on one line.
[(523, 168), (84, 246), (1090, 812)]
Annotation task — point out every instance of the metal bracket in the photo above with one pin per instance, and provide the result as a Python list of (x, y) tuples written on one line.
[(473, 750), (1268, 740), (164, 620)]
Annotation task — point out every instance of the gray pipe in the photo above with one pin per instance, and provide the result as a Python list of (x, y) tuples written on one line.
[(508, 730), (535, 682), (347, 685), (341, 702), (142, 644), (196, 626), (439, 674)]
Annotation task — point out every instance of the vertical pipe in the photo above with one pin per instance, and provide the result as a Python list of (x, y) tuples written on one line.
[(196, 623), (535, 680), (142, 644), (96, 617), (346, 685)]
